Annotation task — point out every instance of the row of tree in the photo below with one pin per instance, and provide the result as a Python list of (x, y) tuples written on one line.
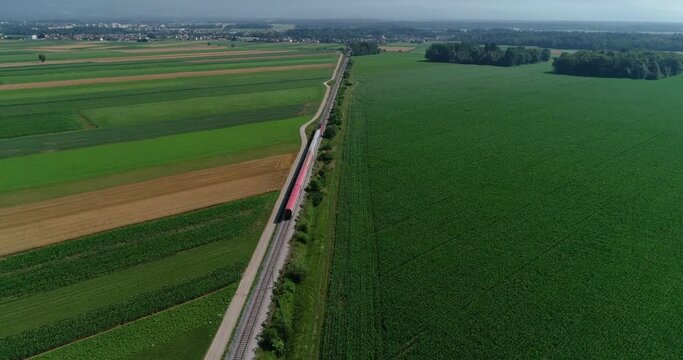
[(490, 54), (580, 40), (633, 64), (360, 48)]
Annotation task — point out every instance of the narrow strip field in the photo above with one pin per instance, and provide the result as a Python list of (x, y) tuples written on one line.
[(178, 75), (139, 58), (44, 223)]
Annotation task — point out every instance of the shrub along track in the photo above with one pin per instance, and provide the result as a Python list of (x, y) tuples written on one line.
[(29, 226), (176, 75)]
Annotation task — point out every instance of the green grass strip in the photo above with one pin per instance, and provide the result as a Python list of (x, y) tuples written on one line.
[(101, 136), (31, 124), (35, 171)]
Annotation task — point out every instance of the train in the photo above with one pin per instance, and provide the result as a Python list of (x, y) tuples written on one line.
[(296, 194)]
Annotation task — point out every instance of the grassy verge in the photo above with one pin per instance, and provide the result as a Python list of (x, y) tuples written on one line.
[(297, 317)]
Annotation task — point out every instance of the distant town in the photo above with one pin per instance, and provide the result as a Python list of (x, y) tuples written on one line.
[(556, 35), (147, 32)]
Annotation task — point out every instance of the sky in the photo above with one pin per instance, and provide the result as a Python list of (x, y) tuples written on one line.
[(591, 10)]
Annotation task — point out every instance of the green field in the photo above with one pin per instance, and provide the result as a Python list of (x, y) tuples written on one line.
[(14, 76), (52, 168), (156, 289), (61, 141), (507, 213), (55, 295)]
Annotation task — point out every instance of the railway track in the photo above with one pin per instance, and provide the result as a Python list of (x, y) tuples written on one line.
[(245, 339)]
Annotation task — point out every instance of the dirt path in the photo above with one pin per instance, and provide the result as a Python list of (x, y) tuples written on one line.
[(34, 225), (176, 75), (141, 58)]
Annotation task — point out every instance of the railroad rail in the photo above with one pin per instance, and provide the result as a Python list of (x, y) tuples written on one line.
[(245, 340)]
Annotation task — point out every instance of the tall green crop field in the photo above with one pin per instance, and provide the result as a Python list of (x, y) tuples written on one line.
[(493, 213)]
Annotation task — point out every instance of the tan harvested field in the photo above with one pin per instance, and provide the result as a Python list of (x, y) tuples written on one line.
[(397, 48), (169, 49), (50, 50), (206, 61), (177, 75), (66, 48), (35, 225), (176, 44), (141, 58)]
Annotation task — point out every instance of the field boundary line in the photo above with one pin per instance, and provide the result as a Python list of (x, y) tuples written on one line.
[(224, 334)]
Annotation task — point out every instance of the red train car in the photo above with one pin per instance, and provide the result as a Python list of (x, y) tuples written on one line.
[(297, 191)]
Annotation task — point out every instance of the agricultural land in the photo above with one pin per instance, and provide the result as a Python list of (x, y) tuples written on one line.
[(489, 213), (136, 181)]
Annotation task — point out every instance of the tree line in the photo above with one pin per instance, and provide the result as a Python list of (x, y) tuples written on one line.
[(632, 64), (490, 54), (579, 40), (360, 48)]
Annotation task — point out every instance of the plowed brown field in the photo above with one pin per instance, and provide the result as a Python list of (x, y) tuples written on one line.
[(34, 225), (176, 75)]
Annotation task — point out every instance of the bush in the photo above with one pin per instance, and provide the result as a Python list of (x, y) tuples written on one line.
[(301, 237), (330, 132), (317, 198), (302, 226), (296, 270), (270, 340), (322, 175), (326, 157), (314, 185)]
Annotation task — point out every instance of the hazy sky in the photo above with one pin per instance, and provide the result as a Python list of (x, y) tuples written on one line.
[(643, 10)]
